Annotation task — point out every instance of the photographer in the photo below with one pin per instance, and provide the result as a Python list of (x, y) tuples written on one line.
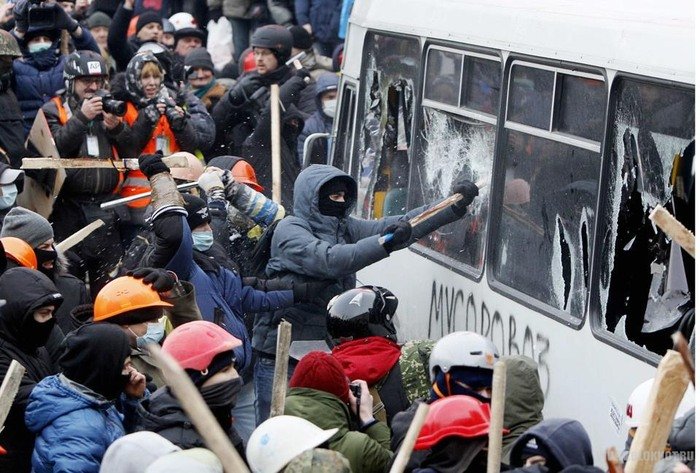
[(84, 123)]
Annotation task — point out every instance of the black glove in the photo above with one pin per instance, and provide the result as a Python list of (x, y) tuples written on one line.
[(215, 14), (290, 91), (401, 238), (177, 121), (244, 89), (20, 13), (152, 164), (151, 113), (159, 279), (303, 74), (63, 20), (309, 291), (469, 191)]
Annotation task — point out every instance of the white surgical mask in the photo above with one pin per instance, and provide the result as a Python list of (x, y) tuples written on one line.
[(154, 334), (202, 241), (39, 46), (329, 107), (8, 197)]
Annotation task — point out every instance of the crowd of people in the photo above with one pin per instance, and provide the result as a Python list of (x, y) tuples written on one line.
[(210, 272)]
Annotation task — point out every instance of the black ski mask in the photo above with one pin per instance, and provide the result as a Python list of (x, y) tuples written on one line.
[(36, 334), (44, 256), (221, 398), (329, 207)]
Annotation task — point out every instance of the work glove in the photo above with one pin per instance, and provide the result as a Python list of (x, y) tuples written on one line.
[(159, 279), (469, 191), (20, 12), (309, 291), (290, 91), (152, 164), (209, 181), (63, 20), (244, 89), (215, 14), (400, 236)]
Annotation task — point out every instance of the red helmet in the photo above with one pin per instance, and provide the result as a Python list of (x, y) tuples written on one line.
[(249, 61), (461, 416), (195, 344)]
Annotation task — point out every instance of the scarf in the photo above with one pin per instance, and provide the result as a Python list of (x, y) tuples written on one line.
[(368, 358)]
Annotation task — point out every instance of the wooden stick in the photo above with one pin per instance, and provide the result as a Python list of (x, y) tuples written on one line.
[(9, 388), (681, 346), (197, 411), (119, 164), (674, 229), (613, 460), (279, 381), (649, 441), (404, 453), (79, 236), (498, 403), (275, 142)]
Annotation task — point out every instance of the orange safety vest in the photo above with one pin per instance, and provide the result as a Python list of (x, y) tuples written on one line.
[(136, 182)]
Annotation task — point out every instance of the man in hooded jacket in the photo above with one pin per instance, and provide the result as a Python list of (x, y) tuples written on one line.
[(22, 338), (322, 120)]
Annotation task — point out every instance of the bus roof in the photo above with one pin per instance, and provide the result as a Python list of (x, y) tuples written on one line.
[(645, 37)]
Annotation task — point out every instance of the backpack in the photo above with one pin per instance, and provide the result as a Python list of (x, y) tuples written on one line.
[(262, 251)]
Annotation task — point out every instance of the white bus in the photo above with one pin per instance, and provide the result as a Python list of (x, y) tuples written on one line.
[(579, 114)]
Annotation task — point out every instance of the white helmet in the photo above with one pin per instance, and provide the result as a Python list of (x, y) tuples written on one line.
[(183, 20), (278, 440), (638, 401), (462, 349), (194, 168)]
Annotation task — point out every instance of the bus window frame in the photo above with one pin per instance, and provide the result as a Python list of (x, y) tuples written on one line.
[(499, 169), (346, 83), (463, 269), (597, 327)]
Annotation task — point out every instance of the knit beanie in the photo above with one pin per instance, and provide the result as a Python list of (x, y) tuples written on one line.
[(320, 371), (301, 39), (199, 57), (148, 16), (26, 225), (197, 211), (98, 18), (220, 362)]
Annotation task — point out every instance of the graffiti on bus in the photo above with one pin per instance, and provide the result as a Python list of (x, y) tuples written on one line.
[(451, 309)]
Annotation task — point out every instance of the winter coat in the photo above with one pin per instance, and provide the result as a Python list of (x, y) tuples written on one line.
[(11, 129), (120, 47), (524, 400), (322, 15), (565, 439), (231, 8), (318, 122), (311, 246), (74, 426), (221, 296), (366, 451), (73, 291), (15, 437), (212, 96), (36, 82)]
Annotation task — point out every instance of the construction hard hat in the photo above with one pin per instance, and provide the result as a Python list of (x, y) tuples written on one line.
[(246, 61), (195, 344), (363, 312), (182, 20), (459, 416), (638, 400), (20, 252), (194, 168), (124, 295), (244, 173), (465, 349), (278, 440)]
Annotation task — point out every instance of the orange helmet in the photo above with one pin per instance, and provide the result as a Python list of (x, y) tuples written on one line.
[(194, 168), (244, 173), (20, 252), (124, 295)]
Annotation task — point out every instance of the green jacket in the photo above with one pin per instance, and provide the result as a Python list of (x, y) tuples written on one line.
[(367, 452)]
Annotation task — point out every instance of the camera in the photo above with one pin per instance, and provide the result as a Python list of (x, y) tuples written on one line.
[(356, 390), (40, 15), (110, 104)]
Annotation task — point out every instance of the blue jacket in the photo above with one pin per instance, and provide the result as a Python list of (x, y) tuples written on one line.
[(37, 82), (74, 428), (319, 122), (221, 296), (322, 15)]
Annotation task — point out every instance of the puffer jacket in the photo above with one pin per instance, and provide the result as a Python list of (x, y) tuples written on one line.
[(366, 451), (74, 426), (310, 246), (318, 122), (322, 15)]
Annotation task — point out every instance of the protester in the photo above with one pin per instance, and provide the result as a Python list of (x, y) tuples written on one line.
[(149, 28), (322, 19), (201, 79), (194, 460), (318, 460), (74, 414), (133, 453), (316, 64), (188, 36), (321, 121), (323, 242), (11, 182), (12, 147), (167, 39), (26, 323), (98, 23)]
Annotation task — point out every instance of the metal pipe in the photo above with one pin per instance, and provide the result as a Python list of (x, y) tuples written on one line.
[(307, 147), (126, 200)]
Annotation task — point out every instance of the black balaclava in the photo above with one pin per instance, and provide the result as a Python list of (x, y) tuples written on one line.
[(454, 454), (44, 256), (94, 356), (328, 207)]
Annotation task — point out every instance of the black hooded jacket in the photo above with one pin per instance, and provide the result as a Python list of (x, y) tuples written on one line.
[(25, 290), (564, 442)]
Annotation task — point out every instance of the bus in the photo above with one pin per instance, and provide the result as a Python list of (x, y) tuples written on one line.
[(579, 116)]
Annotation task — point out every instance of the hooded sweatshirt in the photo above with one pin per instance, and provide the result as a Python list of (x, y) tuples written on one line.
[(565, 441)]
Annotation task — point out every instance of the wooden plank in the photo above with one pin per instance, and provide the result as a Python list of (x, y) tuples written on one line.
[(78, 236), (674, 229), (81, 163), (404, 453), (498, 404), (9, 388), (279, 380)]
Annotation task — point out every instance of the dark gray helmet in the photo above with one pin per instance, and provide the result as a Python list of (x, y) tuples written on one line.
[(84, 63), (168, 28), (8, 45), (276, 38), (363, 312)]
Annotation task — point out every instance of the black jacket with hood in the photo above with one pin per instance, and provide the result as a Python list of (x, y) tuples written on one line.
[(25, 290), (564, 442)]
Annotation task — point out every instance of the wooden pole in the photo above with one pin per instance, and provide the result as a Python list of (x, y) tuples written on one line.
[(279, 381), (404, 453), (9, 388), (175, 161), (275, 141), (498, 404), (674, 229), (649, 441), (78, 236), (681, 346), (197, 411), (613, 460)]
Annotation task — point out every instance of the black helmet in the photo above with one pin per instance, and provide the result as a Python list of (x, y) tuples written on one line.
[(276, 38), (84, 63), (363, 312)]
